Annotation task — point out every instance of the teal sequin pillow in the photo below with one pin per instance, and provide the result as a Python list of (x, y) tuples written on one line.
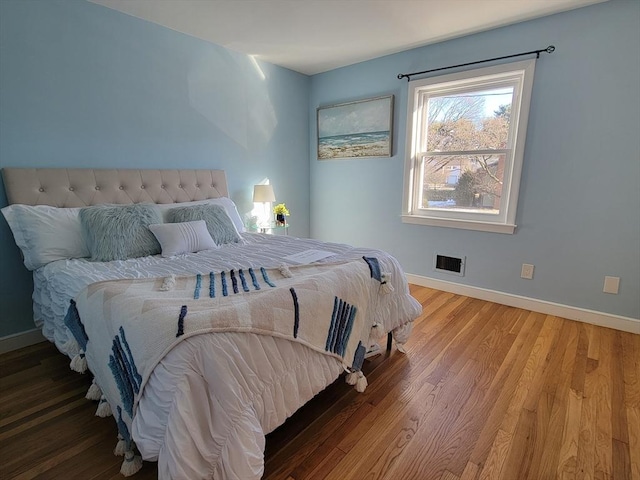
[(118, 232), (219, 224)]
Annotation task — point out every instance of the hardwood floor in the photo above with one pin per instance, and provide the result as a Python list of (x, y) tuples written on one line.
[(485, 392)]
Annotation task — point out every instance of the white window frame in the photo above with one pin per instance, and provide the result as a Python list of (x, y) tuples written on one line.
[(516, 74)]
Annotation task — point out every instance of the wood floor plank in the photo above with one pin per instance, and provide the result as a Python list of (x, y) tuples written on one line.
[(633, 416), (392, 423), (621, 463), (324, 424), (544, 364), (585, 458), (518, 454), (327, 464), (497, 456), (469, 425), (478, 344), (558, 385), (570, 437), (594, 341), (531, 374), (485, 392), (337, 441), (27, 410), (505, 382), (449, 476), (618, 404), (435, 444), (398, 396), (631, 366), (603, 467), (536, 441), (471, 472), (547, 463), (571, 338)]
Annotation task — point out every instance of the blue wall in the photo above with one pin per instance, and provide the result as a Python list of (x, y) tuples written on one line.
[(85, 86), (578, 214)]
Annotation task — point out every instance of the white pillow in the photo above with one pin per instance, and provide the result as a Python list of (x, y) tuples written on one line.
[(46, 234), (226, 202), (186, 237)]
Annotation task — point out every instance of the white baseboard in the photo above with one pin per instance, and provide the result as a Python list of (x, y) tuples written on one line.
[(618, 322), (19, 340)]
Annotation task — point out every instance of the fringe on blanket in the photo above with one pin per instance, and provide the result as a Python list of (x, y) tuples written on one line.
[(385, 283), (168, 283), (284, 270), (131, 464), (104, 409), (125, 446), (358, 380), (79, 363), (121, 447), (355, 376), (94, 392), (377, 331)]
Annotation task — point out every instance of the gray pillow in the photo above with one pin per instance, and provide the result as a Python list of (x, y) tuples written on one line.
[(118, 232), (219, 224)]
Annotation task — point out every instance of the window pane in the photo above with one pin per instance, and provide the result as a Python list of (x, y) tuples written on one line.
[(469, 121), (468, 183)]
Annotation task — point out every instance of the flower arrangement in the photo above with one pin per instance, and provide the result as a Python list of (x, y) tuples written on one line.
[(281, 211)]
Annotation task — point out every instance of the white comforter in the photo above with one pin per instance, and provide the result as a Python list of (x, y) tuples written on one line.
[(209, 403)]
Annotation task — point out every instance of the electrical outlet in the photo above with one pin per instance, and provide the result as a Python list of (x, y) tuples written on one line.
[(611, 285), (527, 271)]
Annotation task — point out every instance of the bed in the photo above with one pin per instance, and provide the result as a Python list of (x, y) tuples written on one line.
[(209, 399)]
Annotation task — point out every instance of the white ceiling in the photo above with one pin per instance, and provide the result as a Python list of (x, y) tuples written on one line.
[(313, 36)]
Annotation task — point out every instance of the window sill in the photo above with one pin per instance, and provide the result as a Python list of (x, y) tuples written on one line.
[(463, 224)]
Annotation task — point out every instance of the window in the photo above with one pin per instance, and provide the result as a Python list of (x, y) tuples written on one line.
[(465, 145)]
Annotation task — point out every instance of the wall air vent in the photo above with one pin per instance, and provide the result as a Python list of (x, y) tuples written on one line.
[(449, 264)]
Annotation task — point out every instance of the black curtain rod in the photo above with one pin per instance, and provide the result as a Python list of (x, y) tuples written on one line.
[(408, 76)]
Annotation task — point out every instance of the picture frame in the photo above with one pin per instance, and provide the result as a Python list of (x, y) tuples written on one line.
[(359, 129)]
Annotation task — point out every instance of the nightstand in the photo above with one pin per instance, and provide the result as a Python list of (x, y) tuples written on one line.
[(274, 229)]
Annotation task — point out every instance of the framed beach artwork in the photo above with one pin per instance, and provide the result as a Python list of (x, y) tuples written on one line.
[(356, 129)]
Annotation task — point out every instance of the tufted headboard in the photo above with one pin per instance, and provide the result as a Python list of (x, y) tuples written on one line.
[(79, 187)]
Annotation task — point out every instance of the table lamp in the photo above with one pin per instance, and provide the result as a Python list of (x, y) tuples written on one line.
[(264, 194)]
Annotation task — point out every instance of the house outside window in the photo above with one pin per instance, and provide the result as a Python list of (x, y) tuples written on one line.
[(465, 145)]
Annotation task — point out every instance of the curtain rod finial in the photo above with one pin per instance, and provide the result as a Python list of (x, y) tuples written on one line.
[(550, 49)]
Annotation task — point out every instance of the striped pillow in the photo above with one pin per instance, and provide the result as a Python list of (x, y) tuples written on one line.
[(185, 237)]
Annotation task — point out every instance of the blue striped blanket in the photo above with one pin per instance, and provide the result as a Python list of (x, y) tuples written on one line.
[(125, 327)]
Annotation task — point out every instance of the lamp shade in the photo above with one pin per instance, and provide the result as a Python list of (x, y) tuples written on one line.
[(263, 193)]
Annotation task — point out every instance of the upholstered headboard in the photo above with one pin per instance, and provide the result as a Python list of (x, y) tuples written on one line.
[(79, 187)]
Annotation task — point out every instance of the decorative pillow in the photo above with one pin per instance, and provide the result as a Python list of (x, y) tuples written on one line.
[(45, 234), (118, 232), (227, 203), (186, 237), (220, 226)]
